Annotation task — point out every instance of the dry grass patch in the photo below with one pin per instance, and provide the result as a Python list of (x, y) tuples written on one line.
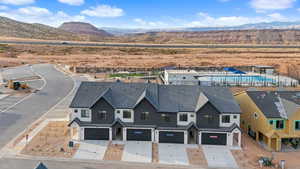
[(196, 156), (114, 152), (155, 155), (112, 57), (52, 141)]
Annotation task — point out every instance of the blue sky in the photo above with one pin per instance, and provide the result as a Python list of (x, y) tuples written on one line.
[(151, 13)]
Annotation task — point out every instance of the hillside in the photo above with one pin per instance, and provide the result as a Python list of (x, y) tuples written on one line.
[(12, 28), (268, 36), (84, 29)]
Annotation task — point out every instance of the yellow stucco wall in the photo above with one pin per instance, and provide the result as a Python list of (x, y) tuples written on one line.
[(261, 123), (248, 108)]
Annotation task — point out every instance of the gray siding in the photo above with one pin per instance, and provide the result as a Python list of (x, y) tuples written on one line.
[(102, 105), (154, 117), (208, 110), (145, 106), (172, 123)]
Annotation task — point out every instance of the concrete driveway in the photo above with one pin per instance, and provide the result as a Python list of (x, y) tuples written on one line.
[(173, 153), (137, 151), (91, 149), (219, 157)]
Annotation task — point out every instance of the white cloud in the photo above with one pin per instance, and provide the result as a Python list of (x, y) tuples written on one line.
[(41, 15), (298, 9), (206, 20), (103, 11), (17, 2), (72, 2), (261, 5), (3, 8), (33, 11), (277, 16), (152, 24)]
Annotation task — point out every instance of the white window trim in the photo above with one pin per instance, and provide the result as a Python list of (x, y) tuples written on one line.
[(189, 118), (78, 114), (120, 115), (232, 120)]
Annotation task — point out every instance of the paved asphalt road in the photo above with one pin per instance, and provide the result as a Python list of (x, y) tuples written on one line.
[(15, 120), (75, 164), (144, 45)]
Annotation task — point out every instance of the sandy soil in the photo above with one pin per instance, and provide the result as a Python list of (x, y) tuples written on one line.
[(112, 57), (196, 156), (155, 155), (248, 157), (52, 141), (114, 152)]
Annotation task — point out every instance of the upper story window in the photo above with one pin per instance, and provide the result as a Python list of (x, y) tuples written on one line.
[(279, 124), (297, 125), (126, 114), (102, 115), (226, 119), (255, 115), (145, 116), (85, 113), (183, 117), (165, 118)]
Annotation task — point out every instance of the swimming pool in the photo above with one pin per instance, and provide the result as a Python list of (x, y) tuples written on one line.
[(241, 79)]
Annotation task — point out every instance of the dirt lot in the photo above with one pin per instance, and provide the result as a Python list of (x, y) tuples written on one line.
[(155, 155), (196, 156), (52, 141), (248, 157), (147, 58), (114, 152)]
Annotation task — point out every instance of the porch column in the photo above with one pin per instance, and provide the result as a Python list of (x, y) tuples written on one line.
[(240, 139), (71, 132), (257, 136), (278, 146), (110, 134), (269, 141)]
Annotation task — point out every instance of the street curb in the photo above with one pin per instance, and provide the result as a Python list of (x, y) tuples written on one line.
[(42, 118)]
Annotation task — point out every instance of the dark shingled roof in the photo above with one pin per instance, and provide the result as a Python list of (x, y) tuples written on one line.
[(276, 104), (165, 98)]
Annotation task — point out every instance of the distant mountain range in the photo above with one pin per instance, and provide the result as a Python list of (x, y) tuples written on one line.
[(84, 29), (261, 33), (263, 25), (71, 31), (12, 28)]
